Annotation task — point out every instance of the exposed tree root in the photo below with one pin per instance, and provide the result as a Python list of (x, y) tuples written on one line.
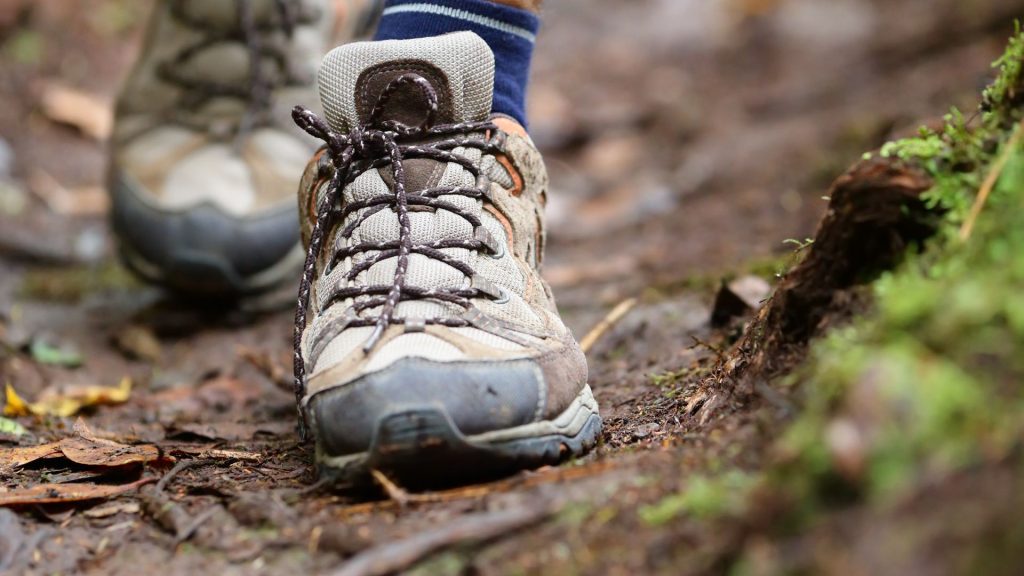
[(874, 215)]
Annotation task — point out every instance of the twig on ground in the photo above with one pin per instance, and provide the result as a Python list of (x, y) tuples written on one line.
[(397, 556), (218, 454), (544, 476), (399, 495), (606, 324), (177, 469), (394, 491), (990, 183), (465, 493)]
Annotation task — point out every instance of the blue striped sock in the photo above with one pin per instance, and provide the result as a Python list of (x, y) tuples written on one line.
[(510, 32)]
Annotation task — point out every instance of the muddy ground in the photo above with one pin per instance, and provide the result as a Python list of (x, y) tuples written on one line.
[(686, 140)]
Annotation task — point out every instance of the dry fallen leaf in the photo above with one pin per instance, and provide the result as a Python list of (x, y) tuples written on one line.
[(96, 452), (208, 451), (13, 457), (56, 493), (87, 112), (13, 404), (68, 401)]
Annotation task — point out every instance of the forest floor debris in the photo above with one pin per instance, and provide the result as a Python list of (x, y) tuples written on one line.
[(737, 130)]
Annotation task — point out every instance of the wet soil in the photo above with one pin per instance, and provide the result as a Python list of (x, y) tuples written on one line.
[(686, 142)]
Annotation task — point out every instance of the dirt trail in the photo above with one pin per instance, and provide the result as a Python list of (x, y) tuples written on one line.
[(685, 139)]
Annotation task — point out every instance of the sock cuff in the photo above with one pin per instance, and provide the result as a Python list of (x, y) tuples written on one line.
[(469, 15), (510, 32)]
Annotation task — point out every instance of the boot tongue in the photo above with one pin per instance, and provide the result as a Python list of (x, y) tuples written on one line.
[(460, 67)]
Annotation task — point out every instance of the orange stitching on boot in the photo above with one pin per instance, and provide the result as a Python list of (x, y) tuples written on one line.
[(517, 178), (510, 126)]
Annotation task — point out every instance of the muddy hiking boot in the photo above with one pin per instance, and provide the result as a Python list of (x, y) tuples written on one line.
[(204, 157), (427, 344)]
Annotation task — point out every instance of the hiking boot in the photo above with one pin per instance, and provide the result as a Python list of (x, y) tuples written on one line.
[(427, 344), (205, 157)]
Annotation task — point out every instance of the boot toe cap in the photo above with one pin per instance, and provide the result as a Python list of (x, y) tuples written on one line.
[(476, 396), (201, 248)]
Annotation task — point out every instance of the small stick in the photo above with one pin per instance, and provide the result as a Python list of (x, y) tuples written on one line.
[(218, 454), (394, 491), (399, 494), (178, 468), (990, 183), (396, 556), (602, 328)]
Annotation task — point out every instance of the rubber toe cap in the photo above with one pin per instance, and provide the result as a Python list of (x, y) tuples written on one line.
[(201, 249), (477, 396)]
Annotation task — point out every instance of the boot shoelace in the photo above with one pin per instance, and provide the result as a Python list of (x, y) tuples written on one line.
[(258, 92), (386, 144)]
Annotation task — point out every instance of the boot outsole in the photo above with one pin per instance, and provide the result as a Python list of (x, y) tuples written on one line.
[(421, 446), (199, 274)]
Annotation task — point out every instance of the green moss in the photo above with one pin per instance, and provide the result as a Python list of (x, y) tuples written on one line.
[(1004, 91), (703, 497), (928, 383), (673, 382), (927, 144)]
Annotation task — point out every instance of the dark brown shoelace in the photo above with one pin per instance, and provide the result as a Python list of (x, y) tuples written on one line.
[(380, 144), (258, 92)]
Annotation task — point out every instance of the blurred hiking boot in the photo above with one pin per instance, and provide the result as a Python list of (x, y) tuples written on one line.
[(204, 154), (427, 343)]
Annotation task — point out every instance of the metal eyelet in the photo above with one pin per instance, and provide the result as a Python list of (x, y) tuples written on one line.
[(495, 249), (499, 253), (505, 297)]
